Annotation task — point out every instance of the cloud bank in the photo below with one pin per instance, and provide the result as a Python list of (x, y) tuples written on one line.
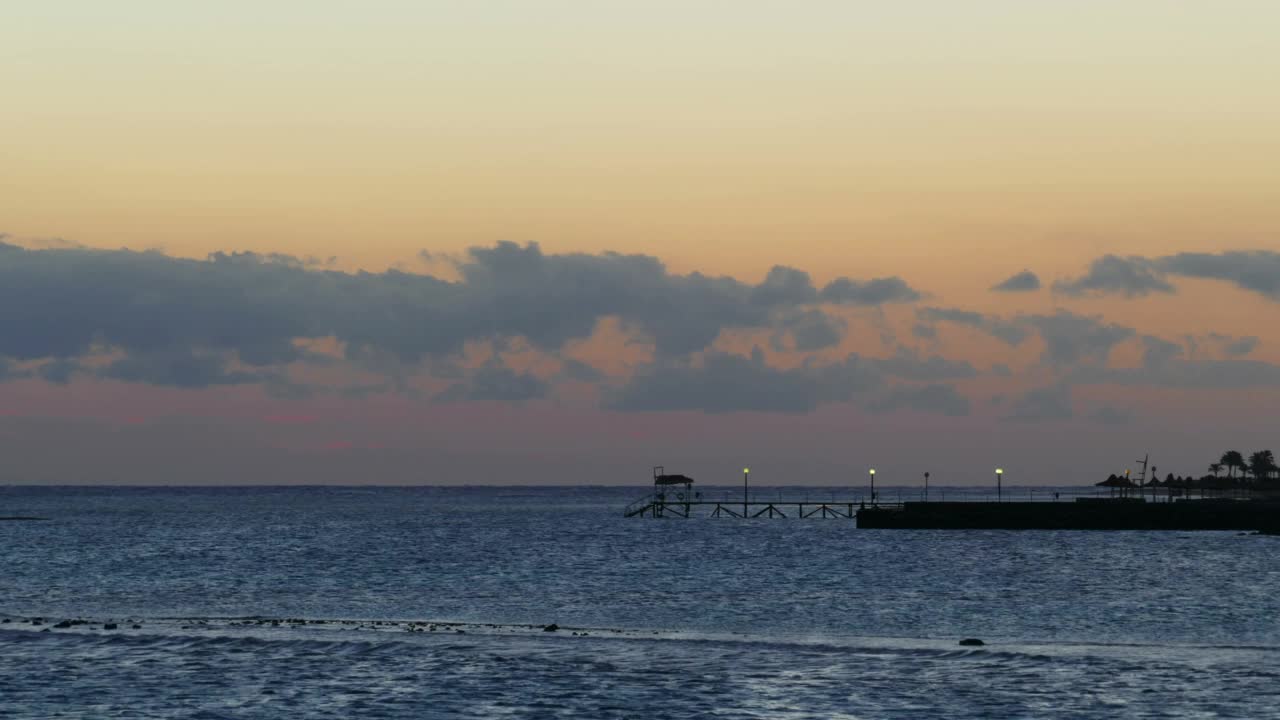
[(1256, 271)]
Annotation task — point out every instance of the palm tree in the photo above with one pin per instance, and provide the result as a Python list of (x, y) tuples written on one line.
[(1215, 469), (1261, 464), (1232, 459)]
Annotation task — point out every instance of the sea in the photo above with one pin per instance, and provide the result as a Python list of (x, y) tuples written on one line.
[(544, 602)]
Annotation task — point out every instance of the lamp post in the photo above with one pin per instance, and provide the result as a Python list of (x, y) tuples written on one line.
[(745, 473), (873, 486), (999, 476), (926, 487)]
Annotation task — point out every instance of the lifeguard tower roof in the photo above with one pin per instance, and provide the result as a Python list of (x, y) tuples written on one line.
[(672, 480)]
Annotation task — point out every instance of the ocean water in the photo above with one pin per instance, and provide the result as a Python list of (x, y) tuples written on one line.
[(432, 602)]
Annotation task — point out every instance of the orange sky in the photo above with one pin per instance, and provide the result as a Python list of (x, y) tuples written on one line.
[(950, 144)]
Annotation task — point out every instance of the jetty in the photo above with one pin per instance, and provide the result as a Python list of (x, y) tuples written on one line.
[(674, 496), (1082, 514), (1127, 507)]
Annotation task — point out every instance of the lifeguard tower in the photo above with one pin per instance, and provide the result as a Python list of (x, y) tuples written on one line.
[(671, 494), (662, 482)]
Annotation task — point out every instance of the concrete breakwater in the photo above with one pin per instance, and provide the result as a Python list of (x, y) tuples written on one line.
[(1127, 514)]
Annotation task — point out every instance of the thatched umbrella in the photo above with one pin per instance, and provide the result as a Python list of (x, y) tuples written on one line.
[(1115, 481)]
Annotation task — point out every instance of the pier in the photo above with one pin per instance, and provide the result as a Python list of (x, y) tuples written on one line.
[(673, 496), (802, 509), (1083, 514)]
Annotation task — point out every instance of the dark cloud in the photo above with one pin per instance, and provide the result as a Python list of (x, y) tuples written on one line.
[(1070, 338), (58, 372), (1010, 332), (178, 368), (1025, 281), (1240, 346), (1108, 415), (910, 365), (926, 332), (725, 382), (9, 369), (811, 330), (784, 286), (496, 382), (872, 292), (926, 398), (1186, 375), (1157, 352), (1047, 403), (198, 322), (1128, 276), (1254, 270), (580, 371), (1257, 270)]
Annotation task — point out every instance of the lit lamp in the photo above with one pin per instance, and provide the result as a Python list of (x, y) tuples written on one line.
[(999, 475), (745, 472), (873, 485)]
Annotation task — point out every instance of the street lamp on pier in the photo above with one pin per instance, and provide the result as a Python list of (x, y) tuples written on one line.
[(999, 476), (873, 486)]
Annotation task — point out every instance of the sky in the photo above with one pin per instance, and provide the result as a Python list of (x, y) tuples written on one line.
[(562, 242)]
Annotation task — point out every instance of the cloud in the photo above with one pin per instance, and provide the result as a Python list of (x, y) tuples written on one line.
[(580, 371), (198, 322), (1257, 271), (725, 382), (1070, 338), (1108, 415), (1157, 352), (1011, 332), (1025, 281), (496, 382), (926, 398), (178, 368), (1129, 276), (926, 332), (873, 292), (9, 369), (1040, 404), (910, 365), (811, 330), (784, 286), (58, 372), (1186, 375), (1253, 270), (1240, 346)]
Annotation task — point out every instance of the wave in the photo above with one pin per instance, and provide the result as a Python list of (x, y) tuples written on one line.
[(379, 636)]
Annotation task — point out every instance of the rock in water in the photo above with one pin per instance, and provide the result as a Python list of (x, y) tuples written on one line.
[(550, 628), (109, 626), (972, 642)]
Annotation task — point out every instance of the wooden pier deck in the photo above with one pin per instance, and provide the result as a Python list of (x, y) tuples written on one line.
[(651, 507)]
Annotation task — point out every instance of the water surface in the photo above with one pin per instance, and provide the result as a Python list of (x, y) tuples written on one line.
[(674, 618)]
